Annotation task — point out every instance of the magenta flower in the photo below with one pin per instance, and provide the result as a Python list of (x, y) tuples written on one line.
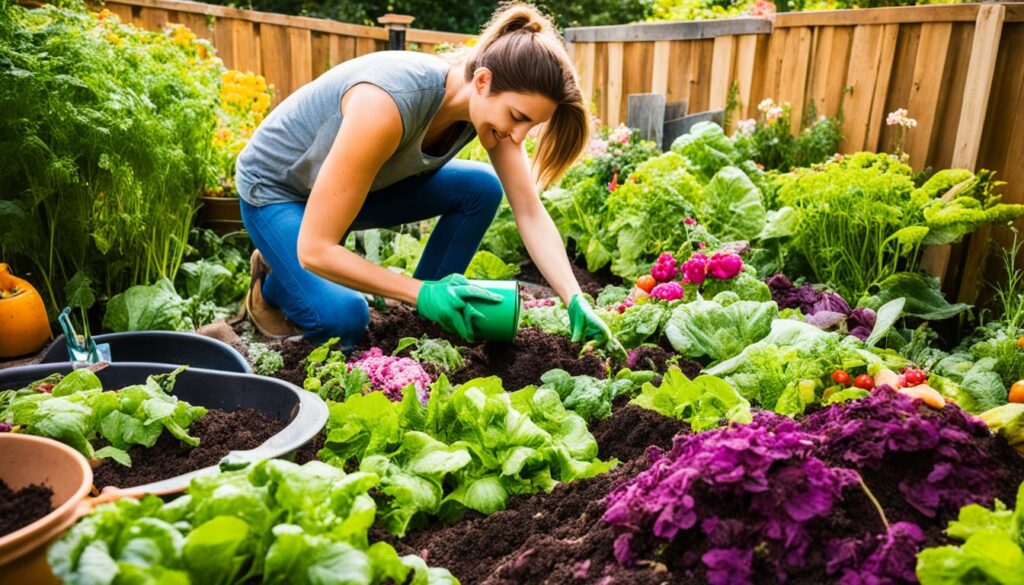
[(664, 269), (667, 291), (695, 269), (725, 266), (690, 221)]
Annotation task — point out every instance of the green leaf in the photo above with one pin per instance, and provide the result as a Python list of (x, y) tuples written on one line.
[(487, 266), (146, 307), (81, 380), (213, 548), (707, 328), (110, 452), (885, 318), (703, 402), (79, 292), (734, 208), (923, 297)]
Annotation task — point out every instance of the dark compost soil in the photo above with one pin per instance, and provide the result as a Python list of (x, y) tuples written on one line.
[(23, 507), (590, 282), (518, 363), (561, 538), (512, 546), (219, 432)]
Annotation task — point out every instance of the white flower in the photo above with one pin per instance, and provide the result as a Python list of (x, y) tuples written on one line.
[(773, 113), (620, 134), (899, 118), (765, 105), (596, 147), (746, 127)]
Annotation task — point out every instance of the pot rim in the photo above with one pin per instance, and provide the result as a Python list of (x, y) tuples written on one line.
[(14, 544)]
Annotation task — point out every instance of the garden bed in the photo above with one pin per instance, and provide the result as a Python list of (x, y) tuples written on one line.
[(219, 432), (23, 507)]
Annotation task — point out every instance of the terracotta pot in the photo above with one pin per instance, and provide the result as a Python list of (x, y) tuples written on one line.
[(24, 460), (22, 316), (221, 214)]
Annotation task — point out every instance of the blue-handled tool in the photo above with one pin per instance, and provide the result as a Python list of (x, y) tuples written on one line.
[(81, 349)]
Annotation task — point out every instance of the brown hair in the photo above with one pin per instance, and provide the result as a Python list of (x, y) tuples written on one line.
[(526, 54)]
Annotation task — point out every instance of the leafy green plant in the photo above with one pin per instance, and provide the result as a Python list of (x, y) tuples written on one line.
[(487, 266), (992, 549), (75, 410), (438, 352), (590, 397), (769, 141), (114, 128), (703, 402), (720, 328), (277, 522), (469, 447)]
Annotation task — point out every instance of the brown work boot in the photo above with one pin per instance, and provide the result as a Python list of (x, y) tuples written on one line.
[(268, 320)]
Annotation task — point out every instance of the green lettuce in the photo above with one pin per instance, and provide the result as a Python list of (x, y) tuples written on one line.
[(991, 551), (78, 412), (734, 210), (277, 522), (469, 447), (487, 266), (590, 397), (707, 328), (703, 402)]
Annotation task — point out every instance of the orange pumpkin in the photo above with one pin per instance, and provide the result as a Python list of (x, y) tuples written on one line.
[(24, 327)]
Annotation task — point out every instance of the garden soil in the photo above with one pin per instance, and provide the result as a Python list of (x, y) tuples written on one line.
[(561, 538), (219, 432), (23, 507)]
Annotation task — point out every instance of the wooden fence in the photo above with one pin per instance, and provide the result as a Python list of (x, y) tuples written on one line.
[(289, 51), (958, 69)]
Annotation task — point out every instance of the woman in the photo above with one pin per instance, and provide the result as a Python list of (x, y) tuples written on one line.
[(371, 142)]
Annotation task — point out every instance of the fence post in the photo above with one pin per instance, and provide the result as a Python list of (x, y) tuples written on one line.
[(396, 24), (646, 112)]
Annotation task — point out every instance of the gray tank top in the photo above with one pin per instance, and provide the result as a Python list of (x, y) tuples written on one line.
[(282, 159)]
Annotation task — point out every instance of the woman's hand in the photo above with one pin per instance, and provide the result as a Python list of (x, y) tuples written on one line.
[(447, 302)]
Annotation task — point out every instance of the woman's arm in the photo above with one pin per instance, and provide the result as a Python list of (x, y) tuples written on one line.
[(370, 133), (543, 242)]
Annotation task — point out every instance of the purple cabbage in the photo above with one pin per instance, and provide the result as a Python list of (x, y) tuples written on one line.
[(882, 559), (765, 472), (807, 298), (952, 467), (861, 322)]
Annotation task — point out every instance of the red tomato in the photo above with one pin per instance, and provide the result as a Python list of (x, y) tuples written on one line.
[(864, 382), (646, 283), (841, 377)]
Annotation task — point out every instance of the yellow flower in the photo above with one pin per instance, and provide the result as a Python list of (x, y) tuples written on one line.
[(104, 14), (116, 40)]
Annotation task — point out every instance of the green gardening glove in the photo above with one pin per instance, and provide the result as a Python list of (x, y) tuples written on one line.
[(586, 324), (445, 302)]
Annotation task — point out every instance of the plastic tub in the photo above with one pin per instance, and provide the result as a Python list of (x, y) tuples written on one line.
[(164, 347), (25, 460), (229, 391)]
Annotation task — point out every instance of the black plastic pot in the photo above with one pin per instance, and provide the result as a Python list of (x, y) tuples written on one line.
[(228, 391), (163, 347)]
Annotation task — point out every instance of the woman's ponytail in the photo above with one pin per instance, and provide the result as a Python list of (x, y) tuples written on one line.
[(525, 54)]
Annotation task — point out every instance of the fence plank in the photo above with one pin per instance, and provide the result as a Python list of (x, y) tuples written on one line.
[(746, 61), (679, 75), (984, 53), (151, 19), (929, 69), (614, 111), (722, 59), (659, 77), (861, 78), (793, 85), (886, 59), (637, 59), (300, 51)]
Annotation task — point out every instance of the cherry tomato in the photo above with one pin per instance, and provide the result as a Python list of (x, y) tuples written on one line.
[(915, 377), (646, 283), (1017, 391), (45, 387), (864, 382), (841, 377)]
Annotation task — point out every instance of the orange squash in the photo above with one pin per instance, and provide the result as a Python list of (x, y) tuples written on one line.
[(24, 327)]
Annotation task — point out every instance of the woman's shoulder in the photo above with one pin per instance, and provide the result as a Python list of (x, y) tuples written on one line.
[(395, 71)]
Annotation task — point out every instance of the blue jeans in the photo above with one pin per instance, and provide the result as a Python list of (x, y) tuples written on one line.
[(465, 194)]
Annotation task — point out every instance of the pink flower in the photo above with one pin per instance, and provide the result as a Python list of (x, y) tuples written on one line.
[(690, 221), (725, 266), (615, 182), (667, 291), (664, 269), (695, 269), (702, 245)]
